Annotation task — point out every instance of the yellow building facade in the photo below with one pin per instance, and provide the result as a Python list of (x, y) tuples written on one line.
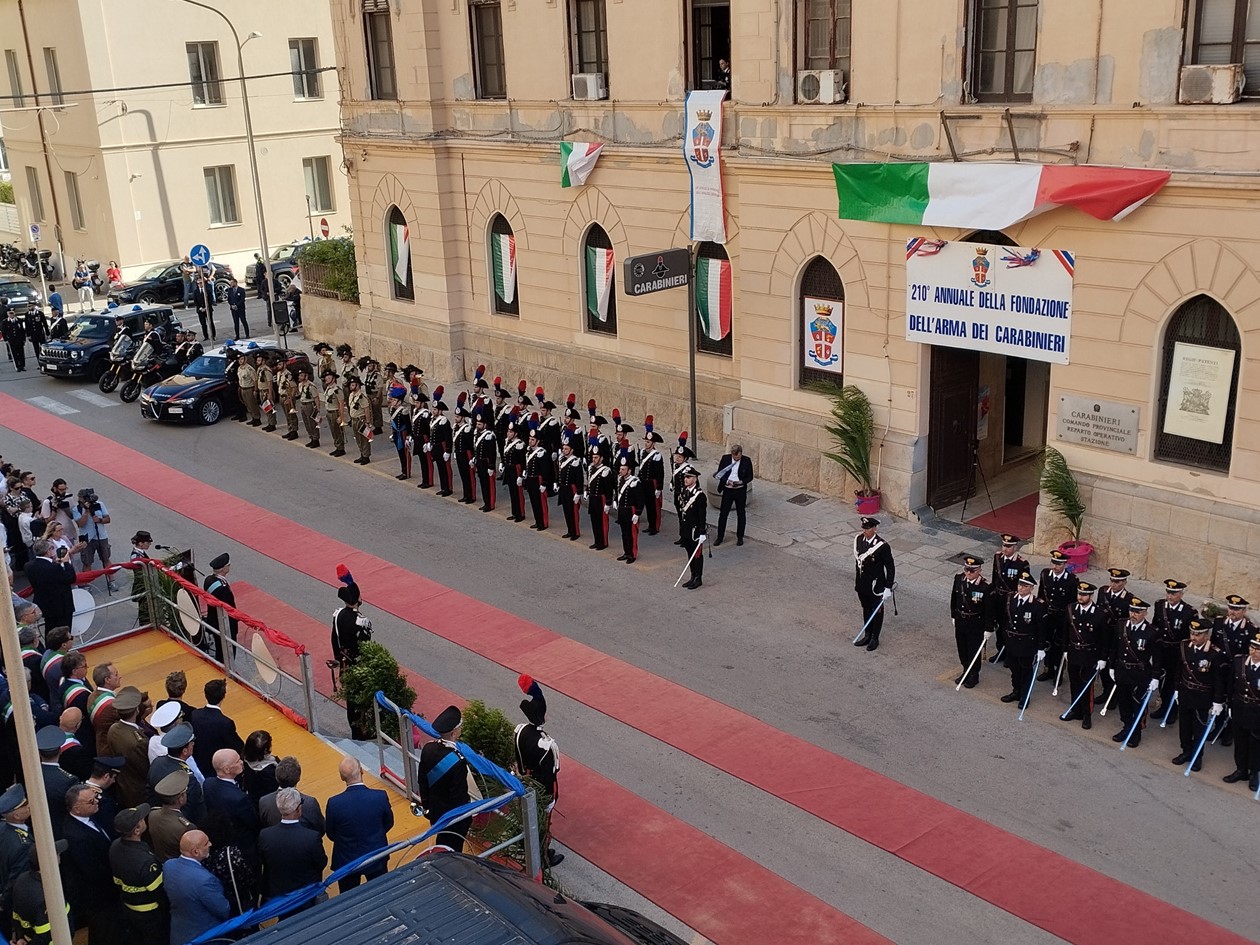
[(452, 115)]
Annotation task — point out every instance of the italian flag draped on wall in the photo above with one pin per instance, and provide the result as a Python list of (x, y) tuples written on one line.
[(713, 296), (504, 248), (577, 160), (599, 280), (988, 196), (400, 252)]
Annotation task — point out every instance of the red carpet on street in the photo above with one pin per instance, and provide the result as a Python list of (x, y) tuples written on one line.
[(1088, 907)]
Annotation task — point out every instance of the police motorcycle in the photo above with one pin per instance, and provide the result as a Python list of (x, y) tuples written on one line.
[(148, 366), (120, 353)]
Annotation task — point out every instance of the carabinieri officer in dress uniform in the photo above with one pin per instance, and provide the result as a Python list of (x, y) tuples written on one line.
[(874, 576), (444, 778)]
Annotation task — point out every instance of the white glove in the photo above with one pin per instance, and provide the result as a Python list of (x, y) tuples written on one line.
[(1102, 664), (658, 493), (472, 464), (520, 481), (1217, 709), (634, 519), (1112, 674), (428, 447), (702, 539), (614, 506), (553, 456), (446, 457), (500, 469), (1152, 685), (1041, 655), (555, 490), (887, 593), (607, 509), (987, 634)]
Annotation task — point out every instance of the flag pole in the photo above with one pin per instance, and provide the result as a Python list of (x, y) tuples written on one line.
[(691, 339)]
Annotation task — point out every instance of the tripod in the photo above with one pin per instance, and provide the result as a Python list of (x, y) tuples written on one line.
[(971, 480)]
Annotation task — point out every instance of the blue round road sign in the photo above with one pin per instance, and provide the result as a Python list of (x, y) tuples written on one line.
[(200, 254)]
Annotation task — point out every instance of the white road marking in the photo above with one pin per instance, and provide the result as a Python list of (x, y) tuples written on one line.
[(52, 406), (94, 398)]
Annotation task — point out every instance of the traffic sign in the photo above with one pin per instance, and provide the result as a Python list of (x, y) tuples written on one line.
[(199, 255), (655, 272), (34, 232), (323, 226)]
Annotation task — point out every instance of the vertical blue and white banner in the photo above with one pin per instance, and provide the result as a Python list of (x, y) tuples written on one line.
[(1008, 300), (702, 145)]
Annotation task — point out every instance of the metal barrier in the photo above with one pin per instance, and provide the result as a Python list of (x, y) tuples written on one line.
[(389, 749)]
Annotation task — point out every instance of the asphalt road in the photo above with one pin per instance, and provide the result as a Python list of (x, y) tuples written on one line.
[(768, 634)]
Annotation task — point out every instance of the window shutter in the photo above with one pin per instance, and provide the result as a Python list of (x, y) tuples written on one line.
[(375, 6)]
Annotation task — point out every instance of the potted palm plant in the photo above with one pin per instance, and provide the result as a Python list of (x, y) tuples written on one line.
[(1064, 494), (853, 431)]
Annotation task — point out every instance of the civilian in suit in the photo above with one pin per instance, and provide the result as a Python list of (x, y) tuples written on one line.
[(90, 888), (359, 821), (288, 774), (236, 305), (179, 743), (127, 741), (734, 473), (212, 729), (292, 856), (197, 900), (56, 780), (225, 797), (52, 579)]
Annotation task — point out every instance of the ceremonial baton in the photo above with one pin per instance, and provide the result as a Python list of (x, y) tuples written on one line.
[(1257, 797), (974, 660), (687, 566), (1137, 720), (868, 620), (1059, 675), (1111, 695), (1171, 702), (1202, 741), (1088, 688), (894, 600), (1028, 698)]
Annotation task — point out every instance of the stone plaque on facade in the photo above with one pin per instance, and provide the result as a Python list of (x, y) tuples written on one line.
[(1101, 423)]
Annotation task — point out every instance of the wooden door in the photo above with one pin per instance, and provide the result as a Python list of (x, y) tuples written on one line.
[(951, 425)]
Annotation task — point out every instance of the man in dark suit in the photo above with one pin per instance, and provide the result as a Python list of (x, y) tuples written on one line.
[(225, 797), (236, 305), (179, 743), (90, 887), (359, 821), (734, 473), (56, 781), (52, 580), (292, 856), (212, 729), (288, 774), (196, 896)]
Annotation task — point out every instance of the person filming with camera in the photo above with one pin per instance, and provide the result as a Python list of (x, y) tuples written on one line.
[(91, 517)]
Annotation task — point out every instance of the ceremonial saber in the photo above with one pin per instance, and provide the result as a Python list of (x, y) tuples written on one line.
[(974, 660), (687, 566), (1111, 695), (1220, 731), (1137, 720), (1202, 741), (868, 620), (1257, 797), (1088, 687), (1028, 698), (1171, 702), (1059, 676), (998, 657)]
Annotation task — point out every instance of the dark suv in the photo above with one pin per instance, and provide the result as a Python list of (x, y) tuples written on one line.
[(21, 293), (164, 283), (282, 263), (86, 352)]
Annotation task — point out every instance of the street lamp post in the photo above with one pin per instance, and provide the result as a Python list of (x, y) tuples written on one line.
[(265, 253)]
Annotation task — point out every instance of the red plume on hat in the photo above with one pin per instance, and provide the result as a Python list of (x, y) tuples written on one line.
[(571, 401), (616, 417), (438, 392), (538, 394), (590, 407), (343, 575), (528, 685), (461, 399), (682, 438), (520, 388), (480, 372), (647, 424)]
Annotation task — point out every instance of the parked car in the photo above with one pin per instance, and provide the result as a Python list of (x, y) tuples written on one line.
[(446, 898), (164, 283), (21, 293), (283, 263), (198, 392), (86, 352)]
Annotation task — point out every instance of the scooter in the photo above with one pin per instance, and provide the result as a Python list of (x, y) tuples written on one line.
[(120, 353), (31, 262), (147, 367)]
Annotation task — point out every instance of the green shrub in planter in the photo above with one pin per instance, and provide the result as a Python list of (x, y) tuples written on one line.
[(489, 733), (376, 670)]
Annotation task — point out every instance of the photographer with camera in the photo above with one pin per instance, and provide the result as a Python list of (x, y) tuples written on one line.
[(91, 518), (52, 579), (58, 508)]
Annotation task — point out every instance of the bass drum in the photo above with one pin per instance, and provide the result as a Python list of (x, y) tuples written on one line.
[(186, 616), (84, 612)]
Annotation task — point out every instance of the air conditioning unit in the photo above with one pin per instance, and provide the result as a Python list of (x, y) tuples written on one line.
[(1211, 85), (820, 87), (589, 87)]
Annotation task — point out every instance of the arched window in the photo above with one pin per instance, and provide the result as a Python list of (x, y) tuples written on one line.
[(398, 244), (821, 308), (1198, 386), (714, 299), (502, 256), (599, 281)]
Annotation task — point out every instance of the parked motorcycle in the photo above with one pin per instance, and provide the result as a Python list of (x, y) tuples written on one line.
[(147, 367), (120, 353), (10, 257), (32, 261)]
